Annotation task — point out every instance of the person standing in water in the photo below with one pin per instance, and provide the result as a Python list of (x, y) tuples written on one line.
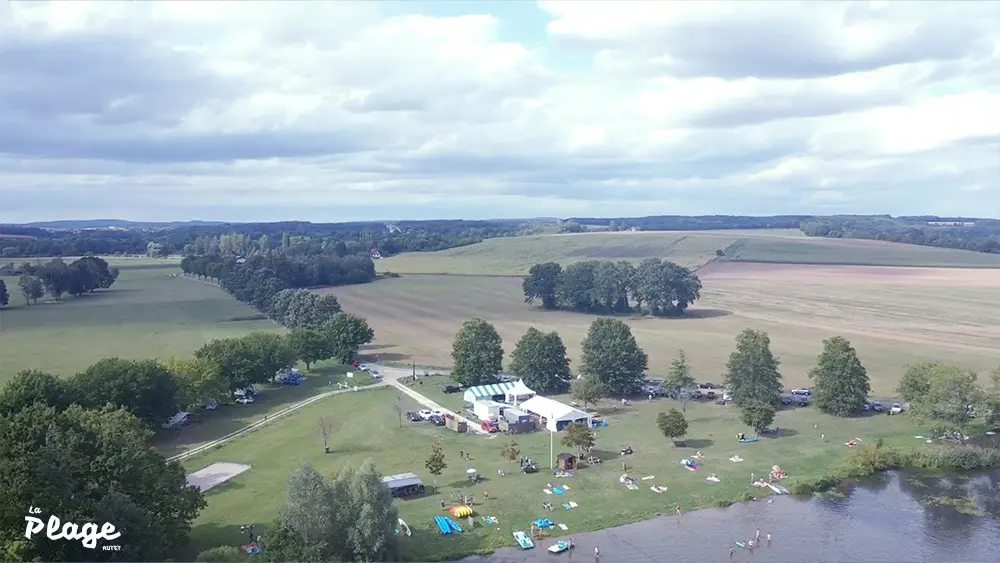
[(730, 552), (597, 553), (769, 538), (757, 537)]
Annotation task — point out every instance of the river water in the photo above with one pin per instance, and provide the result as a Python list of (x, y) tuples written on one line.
[(895, 517)]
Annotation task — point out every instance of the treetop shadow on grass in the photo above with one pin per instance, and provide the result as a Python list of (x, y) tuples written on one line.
[(698, 443), (230, 485), (386, 357), (781, 433), (207, 536)]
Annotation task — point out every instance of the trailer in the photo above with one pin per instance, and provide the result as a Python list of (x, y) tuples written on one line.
[(404, 485), (452, 423)]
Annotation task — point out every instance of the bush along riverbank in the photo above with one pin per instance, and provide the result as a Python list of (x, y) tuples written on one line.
[(870, 459)]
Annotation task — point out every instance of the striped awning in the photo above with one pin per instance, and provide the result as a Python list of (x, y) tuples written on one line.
[(486, 391)]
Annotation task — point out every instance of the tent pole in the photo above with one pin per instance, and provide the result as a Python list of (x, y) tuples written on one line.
[(552, 457)]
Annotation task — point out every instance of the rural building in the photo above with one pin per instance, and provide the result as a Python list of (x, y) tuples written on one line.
[(554, 415), (493, 392)]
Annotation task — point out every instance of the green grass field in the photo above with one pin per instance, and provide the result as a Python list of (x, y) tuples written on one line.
[(514, 256), (893, 316), (367, 427), (148, 313)]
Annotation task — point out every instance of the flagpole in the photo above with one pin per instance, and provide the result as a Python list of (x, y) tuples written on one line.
[(552, 456)]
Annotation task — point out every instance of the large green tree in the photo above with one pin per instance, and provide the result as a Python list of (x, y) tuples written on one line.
[(840, 382), (587, 390), (757, 415), (347, 334), (90, 466), (916, 381), (679, 377), (611, 354), (254, 358), (311, 346), (752, 370), (539, 359), (950, 391), (31, 288), (301, 308), (672, 424), (540, 283), (31, 387), (352, 518), (142, 387), (477, 353), (198, 380), (579, 436)]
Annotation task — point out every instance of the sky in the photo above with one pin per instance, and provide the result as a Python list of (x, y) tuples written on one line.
[(351, 111)]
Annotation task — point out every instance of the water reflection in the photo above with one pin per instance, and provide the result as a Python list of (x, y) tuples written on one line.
[(895, 517)]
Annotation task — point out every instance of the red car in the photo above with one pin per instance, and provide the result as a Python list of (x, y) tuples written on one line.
[(491, 426), (356, 364)]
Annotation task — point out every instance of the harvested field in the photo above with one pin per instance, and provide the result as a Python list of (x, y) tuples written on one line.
[(692, 249), (148, 313), (893, 316)]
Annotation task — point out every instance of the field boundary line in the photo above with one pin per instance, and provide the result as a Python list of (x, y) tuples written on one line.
[(268, 419)]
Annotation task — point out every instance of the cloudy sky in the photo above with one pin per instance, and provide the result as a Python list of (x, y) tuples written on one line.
[(337, 111)]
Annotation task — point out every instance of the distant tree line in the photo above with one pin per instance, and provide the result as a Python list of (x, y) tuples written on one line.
[(685, 223), (980, 235), (294, 238), (57, 278), (258, 278), (656, 286)]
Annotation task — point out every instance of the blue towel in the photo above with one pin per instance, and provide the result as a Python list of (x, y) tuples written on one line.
[(558, 491)]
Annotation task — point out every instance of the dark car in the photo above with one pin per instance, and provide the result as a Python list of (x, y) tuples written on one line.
[(450, 389), (707, 386), (414, 417), (436, 420)]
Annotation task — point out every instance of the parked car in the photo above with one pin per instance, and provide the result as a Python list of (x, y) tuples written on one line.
[(450, 389), (490, 426), (710, 394), (414, 417), (375, 374), (436, 420), (707, 386), (727, 396), (786, 400), (877, 406), (245, 400), (425, 413), (802, 392), (364, 367), (896, 408), (653, 387), (506, 378)]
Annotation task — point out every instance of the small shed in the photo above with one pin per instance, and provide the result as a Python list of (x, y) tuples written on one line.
[(566, 462)]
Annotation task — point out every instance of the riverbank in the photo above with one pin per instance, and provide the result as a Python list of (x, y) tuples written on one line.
[(368, 426), (890, 517)]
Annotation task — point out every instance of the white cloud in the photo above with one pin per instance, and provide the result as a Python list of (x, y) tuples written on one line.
[(338, 111)]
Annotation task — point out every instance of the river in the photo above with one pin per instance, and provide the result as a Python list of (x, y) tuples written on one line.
[(894, 517)]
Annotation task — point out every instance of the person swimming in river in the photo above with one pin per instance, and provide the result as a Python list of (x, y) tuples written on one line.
[(741, 436)]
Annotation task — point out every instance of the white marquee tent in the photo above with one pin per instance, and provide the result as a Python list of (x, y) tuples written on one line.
[(556, 416), (519, 393)]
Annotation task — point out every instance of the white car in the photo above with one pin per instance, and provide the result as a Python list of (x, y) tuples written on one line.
[(364, 367), (245, 400), (896, 408), (427, 413), (804, 391)]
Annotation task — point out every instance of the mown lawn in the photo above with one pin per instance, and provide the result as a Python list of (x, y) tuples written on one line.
[(366, 426), (148, 313)]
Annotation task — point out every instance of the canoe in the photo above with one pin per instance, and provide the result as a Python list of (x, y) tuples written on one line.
[(741, 544), (749, 440)]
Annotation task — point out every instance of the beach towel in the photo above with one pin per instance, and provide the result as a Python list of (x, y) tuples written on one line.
[(690, 468), (567, 506), (546, 491), (573, 504), (632, 486), (647, 477), (563, 527), (712, 479), (558, 491), (736, 459), (565, 487)]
